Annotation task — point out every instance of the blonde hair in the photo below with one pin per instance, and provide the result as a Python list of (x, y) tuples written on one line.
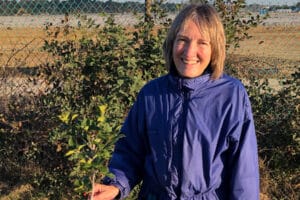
[(209, 22)]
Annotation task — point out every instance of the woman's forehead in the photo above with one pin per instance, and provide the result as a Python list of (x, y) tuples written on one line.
[(200, 27)]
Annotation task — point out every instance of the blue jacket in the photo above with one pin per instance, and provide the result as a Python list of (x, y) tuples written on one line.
[(189, 139)]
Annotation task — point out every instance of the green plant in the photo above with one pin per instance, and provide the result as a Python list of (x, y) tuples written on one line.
[(236, 21), (277, 118), (105, 66), (90, 154)]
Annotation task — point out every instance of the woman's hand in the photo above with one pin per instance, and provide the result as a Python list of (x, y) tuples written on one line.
[(104, 192)]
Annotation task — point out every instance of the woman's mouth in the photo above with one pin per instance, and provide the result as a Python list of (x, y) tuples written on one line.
[(190, 61)]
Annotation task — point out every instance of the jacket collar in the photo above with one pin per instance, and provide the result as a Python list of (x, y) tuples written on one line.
[(190, 84)]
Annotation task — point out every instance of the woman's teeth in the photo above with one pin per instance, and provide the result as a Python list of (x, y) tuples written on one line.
[(191, 62)]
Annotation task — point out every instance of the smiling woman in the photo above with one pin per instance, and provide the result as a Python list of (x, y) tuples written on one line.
[(190, 133), (208, 32), (191, 51)]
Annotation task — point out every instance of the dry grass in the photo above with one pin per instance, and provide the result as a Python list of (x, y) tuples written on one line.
[(264, 181)]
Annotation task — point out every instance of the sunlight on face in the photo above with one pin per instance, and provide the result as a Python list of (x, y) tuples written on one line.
[(191, 51)]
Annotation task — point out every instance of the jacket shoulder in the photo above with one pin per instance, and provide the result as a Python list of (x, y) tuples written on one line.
[(155, 85), (232, 81)]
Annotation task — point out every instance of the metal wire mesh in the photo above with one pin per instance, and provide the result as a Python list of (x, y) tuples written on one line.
[(22, 23), (274, 47)]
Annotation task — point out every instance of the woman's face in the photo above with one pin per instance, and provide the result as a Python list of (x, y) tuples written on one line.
[(191, 51)]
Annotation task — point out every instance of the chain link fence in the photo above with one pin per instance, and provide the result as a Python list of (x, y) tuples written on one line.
[(274, 47), (22, 35), (22, 23)]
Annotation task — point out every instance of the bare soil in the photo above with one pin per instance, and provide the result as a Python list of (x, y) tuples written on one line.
[(272, 41)]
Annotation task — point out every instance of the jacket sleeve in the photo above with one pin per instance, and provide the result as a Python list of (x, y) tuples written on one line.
[(244, 175), (127, 159)]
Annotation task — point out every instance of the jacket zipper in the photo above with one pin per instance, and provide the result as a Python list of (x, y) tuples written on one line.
[(178, 152)]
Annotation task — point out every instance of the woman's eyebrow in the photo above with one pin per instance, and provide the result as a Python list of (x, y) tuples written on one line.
[(180, 35), (204, 40), (186, 37)]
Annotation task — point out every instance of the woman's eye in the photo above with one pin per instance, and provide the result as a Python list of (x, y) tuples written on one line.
[(203, 43), (180, 40)]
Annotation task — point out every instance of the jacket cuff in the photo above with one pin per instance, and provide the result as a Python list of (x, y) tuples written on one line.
[(122, 191)]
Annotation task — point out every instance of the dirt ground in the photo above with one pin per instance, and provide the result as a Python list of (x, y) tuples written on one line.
[(21, 47), (272, 52), (272, 41)]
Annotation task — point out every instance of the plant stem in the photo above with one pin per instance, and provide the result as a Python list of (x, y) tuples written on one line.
[(93, 182)]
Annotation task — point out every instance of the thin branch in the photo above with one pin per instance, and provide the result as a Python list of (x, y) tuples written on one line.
[(93, 182), (17, 51)]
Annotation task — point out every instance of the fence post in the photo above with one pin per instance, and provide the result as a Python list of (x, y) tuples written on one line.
[(148, 10)]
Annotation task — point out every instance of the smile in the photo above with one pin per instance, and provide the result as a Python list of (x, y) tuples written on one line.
[(190, 62)]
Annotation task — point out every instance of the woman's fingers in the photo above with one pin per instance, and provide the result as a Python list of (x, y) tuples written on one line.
[(104, 192)]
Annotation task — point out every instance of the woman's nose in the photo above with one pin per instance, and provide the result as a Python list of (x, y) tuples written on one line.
[(190, 50)]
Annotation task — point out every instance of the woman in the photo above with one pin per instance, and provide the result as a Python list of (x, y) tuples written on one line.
[(190, 134)]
